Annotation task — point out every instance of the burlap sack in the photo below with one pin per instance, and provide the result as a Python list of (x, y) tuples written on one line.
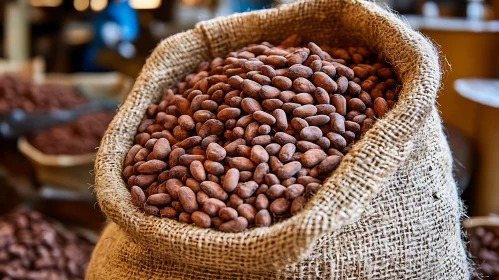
[(390, 211)]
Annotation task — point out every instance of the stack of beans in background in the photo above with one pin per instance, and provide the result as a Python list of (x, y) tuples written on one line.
[(78, 137), (34, 247), (484, 247), (20, 93), (81, 136)]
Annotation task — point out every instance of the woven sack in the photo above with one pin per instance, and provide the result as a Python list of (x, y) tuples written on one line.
[(390, 210)]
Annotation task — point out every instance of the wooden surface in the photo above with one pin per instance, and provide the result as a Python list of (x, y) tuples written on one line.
[(472, 54), (451, 24), (487, 184), (485, 92), (481, 221), (17, 31)]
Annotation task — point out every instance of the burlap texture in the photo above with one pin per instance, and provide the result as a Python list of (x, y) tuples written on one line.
[(390, 210)]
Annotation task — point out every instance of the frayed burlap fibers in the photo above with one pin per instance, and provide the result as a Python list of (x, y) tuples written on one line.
[(390, 210)]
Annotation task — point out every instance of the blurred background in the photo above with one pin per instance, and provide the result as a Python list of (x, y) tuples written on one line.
[(65, 66)]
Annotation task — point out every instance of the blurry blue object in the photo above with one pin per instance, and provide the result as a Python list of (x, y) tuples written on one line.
[(116, 27), (240, 6)]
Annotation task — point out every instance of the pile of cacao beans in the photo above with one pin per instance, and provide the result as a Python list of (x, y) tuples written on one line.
[(246, 140), (20, 93), (80, 136), (484, 247), (33, 247)]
